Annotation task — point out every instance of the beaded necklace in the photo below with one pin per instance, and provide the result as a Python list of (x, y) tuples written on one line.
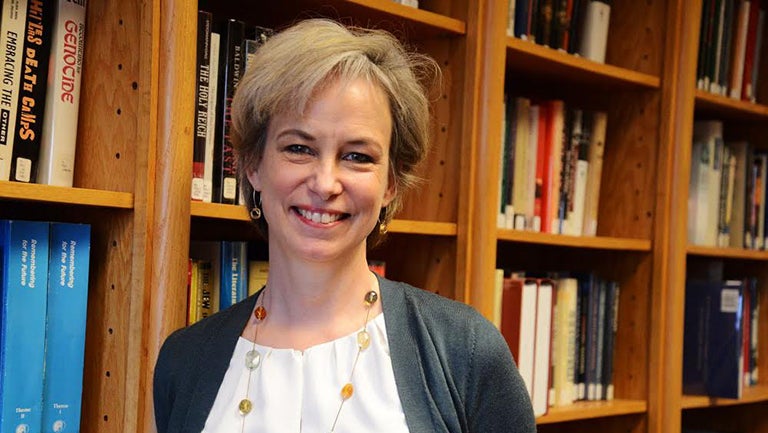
[(253, 358)]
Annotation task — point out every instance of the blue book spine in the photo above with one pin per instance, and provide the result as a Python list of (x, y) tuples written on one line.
[(234, 273), (22, 323), (65, 335)]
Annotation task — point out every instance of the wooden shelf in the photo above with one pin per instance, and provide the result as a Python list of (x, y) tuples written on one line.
[(728, 108), (752, 394), (593, 242), (411, 23), (238, 213), (65, 195), (530, 57), (592, 409), (727, 253)]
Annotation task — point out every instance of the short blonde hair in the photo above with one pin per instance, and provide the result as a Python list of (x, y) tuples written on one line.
[(296, 63)]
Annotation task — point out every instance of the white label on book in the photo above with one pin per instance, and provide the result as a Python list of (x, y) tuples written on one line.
[(23, 169), (197, 188), (230, 188), (729, 301)]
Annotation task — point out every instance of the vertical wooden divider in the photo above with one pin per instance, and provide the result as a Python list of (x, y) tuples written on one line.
[(670, 231), (165, 287)]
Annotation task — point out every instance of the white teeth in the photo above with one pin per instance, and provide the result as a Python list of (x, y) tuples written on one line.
[(317, 217)]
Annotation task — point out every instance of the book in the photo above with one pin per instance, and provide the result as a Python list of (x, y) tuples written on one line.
[(23, 291), (258, 271), (225, 187), (545, 304), (234, 273), (712, 346), (12, 24), (741, 151), (69, 262), (739, 49), (32, 90), (210, 138), (202, 97), (563, 341), (594, 39), (518, 324), (62, 100)]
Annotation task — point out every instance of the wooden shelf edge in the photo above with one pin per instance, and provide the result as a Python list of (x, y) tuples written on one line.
[(238, 213), (442, 22), (711, 100), (752, 394), (570, 61), (65, 195), (727, 253), (423, 227), (593, 242), (593, 409)]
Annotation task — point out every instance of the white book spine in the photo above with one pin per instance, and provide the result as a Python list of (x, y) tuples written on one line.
[(595, 39), (12, 40), (209, 139), (62, 100)]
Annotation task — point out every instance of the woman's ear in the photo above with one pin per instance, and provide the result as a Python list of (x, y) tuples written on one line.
[(255, 179)]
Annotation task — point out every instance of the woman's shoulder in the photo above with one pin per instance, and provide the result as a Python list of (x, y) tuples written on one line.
[(189, 338)]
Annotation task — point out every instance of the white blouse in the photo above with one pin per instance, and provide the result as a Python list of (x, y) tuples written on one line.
[(295, 391)]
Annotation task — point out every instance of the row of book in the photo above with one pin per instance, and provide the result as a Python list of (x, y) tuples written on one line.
[(551, 167), (720, 350), (223, 273), (575, 26), (42, 51), (730, 43), (727, 190), (223, 51), (44, 287), (561, 330)]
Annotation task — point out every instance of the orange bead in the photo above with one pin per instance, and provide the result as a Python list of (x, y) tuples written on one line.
[(260, 313), (347, 391)]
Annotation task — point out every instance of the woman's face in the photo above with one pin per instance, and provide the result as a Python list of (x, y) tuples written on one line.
[(323, 177)]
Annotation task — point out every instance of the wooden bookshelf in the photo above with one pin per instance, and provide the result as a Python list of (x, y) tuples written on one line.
[(591, 242), (62, 195), (751, 394), (133, 180), (533, 58), (584, 410), (729, 108), (239, 213), (727, 253)]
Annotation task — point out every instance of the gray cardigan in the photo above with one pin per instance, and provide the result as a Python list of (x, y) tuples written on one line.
[(453, 369)]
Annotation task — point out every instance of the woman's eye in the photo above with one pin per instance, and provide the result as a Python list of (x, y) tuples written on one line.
[(358, 157), (298, 149)]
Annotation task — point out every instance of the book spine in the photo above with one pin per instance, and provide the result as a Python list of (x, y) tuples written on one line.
[(32, 89), (749, 54), (210, 137), (739, 49), (65, 332), (595, 38), (202, 97), (234, 273), (611, 326), (12, 26), (24, 246), (62, 101), (225, 184)]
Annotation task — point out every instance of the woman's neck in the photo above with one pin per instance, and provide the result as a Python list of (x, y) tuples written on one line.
[(310, 303)]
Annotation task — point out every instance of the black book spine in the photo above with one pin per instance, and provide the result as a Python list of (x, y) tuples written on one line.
[(32, 88), (231, 67)]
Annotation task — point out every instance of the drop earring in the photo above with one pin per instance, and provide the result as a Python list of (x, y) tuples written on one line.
[(256, 210), (383, 221)]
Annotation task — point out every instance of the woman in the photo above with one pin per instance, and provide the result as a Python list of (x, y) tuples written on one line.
[(329, 124)]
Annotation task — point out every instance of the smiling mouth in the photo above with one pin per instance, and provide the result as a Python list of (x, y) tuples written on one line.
[(321, 217)]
